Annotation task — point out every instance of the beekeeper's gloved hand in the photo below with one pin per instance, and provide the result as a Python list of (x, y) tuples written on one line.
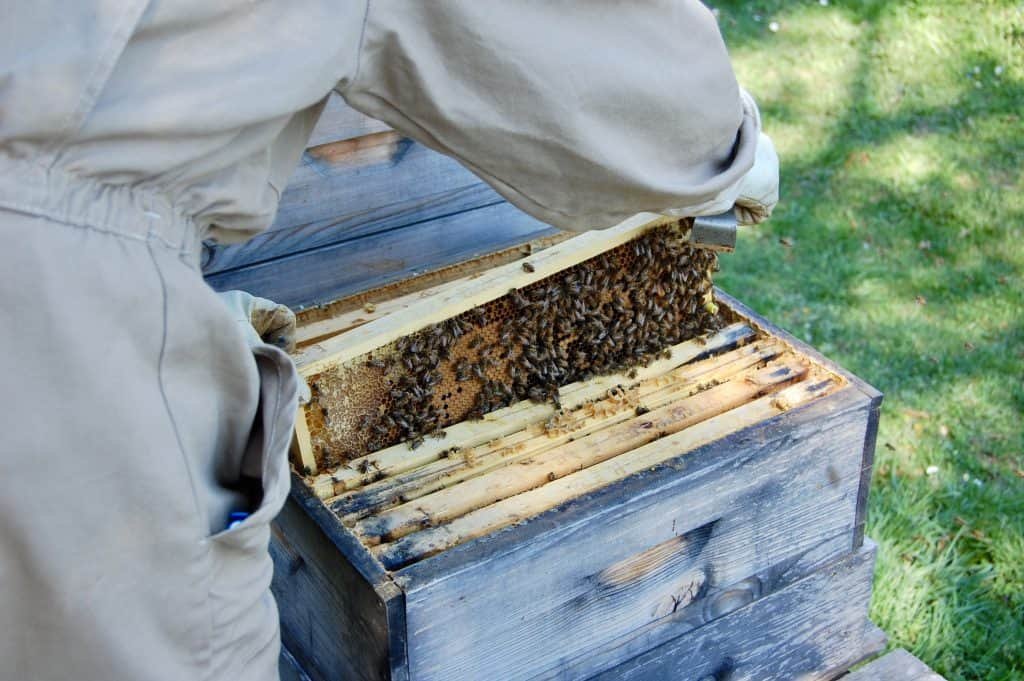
[(262, 320), (759, 188)]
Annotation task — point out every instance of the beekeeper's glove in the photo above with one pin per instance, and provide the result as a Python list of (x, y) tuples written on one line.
[(759, 188), (262, 320)]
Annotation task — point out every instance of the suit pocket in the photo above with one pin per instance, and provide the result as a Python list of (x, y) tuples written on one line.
[(245, 626)]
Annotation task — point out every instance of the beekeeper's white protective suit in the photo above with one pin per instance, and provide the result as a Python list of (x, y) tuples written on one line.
[(134, 406)]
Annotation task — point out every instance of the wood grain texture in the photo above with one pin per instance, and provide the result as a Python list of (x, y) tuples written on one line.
[(898, 665), (302, 447), (765, 326), (307, 277), (535, 438), (395, 460), (735, 448), (809, 631), (333, 621), (307, 334), (870, 441), (559, 491), (339, 121), (576, 455), (351, 311), (769, 493), (716, 602), (870, 391), (420, 283), (342, 617)]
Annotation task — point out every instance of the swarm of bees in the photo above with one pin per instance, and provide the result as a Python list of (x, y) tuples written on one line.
[(618, 310)]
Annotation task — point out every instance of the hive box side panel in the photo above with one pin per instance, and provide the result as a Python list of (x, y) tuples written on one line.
[(616, 565), (803, 348), (870, 391), (811, 630), (341, 617)]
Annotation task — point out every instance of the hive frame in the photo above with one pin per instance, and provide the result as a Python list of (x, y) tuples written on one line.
[(454, 298)]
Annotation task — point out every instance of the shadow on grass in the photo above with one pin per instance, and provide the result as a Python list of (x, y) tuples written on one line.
[(857, 242)]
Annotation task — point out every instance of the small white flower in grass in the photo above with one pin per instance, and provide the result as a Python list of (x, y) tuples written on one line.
[(757, 17), (967, 476), (773, 27), (823, 3), (931, 470), (977, 70), (977, 483), (998, 70)]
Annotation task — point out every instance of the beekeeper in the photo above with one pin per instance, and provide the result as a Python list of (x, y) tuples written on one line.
[(144, 421)]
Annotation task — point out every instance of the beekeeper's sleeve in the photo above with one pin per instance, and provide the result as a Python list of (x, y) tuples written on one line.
[(580, 113)]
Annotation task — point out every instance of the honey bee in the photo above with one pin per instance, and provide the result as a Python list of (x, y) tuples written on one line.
[(527, 267), (518, 299)]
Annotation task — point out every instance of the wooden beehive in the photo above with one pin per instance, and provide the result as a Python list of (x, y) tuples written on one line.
[(656, 510), (698, 515)]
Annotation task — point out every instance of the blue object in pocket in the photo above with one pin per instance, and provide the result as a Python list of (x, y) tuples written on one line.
[(236, 518)]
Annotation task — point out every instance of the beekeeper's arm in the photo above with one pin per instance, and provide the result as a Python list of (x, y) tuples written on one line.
[(581, 114)]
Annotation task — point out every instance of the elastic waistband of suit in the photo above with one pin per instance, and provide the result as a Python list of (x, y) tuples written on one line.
[(27, 186)]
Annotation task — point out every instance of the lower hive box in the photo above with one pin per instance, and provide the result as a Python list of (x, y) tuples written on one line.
[(583, 463)]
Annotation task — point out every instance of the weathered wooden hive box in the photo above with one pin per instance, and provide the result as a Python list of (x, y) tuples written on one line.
[(695, 514)]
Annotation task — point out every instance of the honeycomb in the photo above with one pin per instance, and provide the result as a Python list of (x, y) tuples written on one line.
[(616, 310)]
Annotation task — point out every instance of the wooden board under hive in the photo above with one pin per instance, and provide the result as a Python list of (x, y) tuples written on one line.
[(670, 513)]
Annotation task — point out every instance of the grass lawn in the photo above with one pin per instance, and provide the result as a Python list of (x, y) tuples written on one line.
[(898, 250)]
